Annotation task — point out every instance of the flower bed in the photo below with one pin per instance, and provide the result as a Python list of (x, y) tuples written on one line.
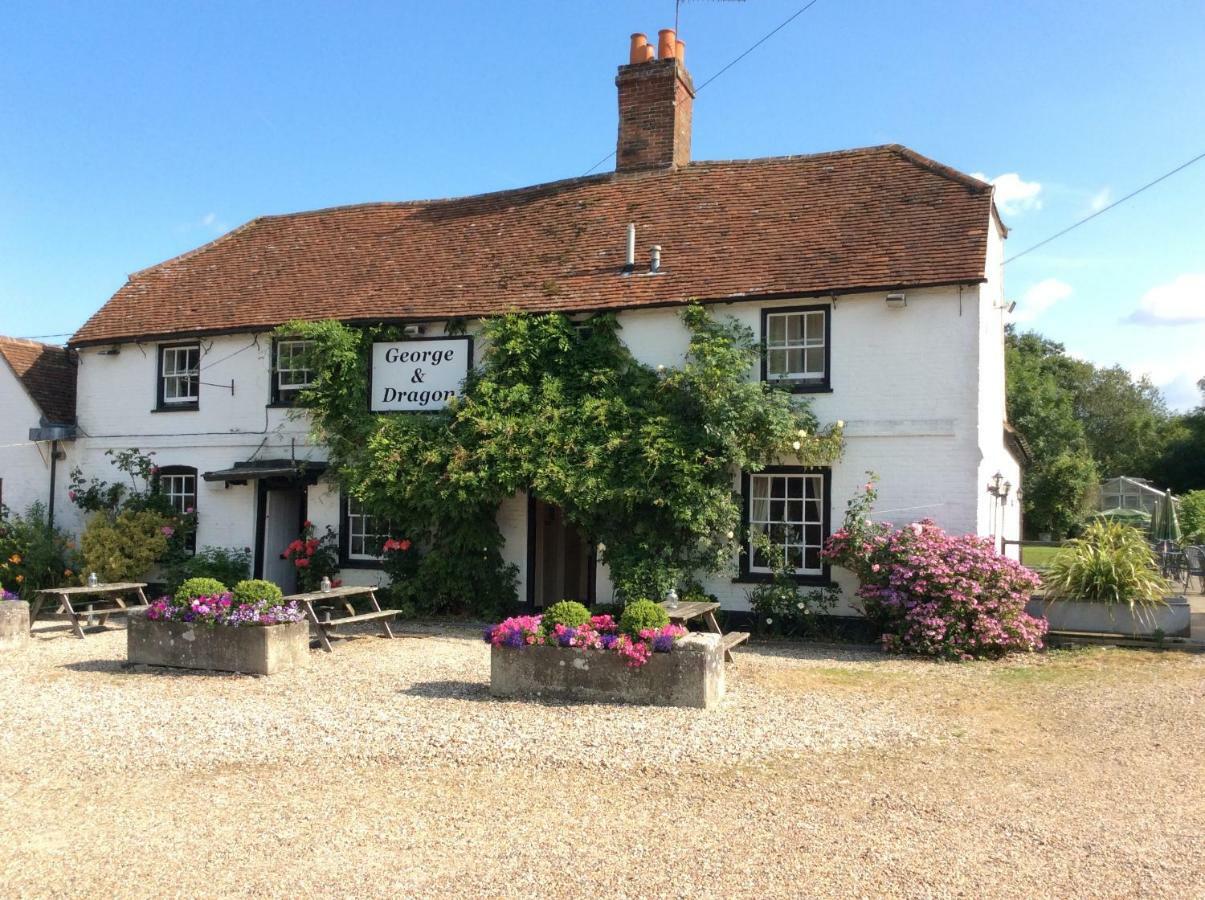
[(204, 626), (600, 633), (595, 658)]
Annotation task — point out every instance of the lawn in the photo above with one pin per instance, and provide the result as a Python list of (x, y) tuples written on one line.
[(1037, 557), (385, 769)]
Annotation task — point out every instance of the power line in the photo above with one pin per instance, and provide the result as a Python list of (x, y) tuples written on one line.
[(38, 337), (1103, 210), (765, 37)]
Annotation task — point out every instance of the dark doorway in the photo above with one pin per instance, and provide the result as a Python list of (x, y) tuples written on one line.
[(560, 561), (281, 513)]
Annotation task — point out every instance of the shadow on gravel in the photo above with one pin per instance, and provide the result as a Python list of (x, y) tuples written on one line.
[(121, 667), (454, 690)]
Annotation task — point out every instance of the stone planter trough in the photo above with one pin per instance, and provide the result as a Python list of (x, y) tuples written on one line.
[(690, 675), (254, 650), (1171, 620), (14, 624)]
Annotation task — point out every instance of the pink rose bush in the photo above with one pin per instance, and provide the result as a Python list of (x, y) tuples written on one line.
[(936, 594), (223, 609), (600, 633)]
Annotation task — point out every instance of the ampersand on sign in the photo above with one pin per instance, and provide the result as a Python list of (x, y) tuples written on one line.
[(417, 377)]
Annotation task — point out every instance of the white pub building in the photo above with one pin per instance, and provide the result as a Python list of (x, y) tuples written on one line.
[(873, 277)]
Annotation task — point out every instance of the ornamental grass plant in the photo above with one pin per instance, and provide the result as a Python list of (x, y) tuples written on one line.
[(1109, 563)]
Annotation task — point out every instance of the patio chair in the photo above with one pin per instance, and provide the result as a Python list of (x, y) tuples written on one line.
[(1195, 558)]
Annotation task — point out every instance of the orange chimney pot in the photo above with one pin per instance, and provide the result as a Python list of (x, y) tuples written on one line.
[(665, 43), (680, 51), (648, 53), (637, 53)]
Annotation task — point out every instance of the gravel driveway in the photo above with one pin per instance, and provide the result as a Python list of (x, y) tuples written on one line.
[(385, 768)]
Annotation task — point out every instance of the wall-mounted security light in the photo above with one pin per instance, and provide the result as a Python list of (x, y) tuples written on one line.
[(1011, 307), (896, 301), (109, 351), (413, 330)]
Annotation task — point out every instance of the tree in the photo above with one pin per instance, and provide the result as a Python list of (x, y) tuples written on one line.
[(1181, 466)]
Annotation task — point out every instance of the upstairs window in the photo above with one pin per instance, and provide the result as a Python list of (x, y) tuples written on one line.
[(290, 371), (364, 533), (797, 347), (179, 485), (179, 376), (789, 505)]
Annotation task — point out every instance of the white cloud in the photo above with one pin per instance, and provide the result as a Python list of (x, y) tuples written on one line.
[(1039, 298), (208, 219), (1176, 375), (1014, 195), (1101, 199), (1178, 302)]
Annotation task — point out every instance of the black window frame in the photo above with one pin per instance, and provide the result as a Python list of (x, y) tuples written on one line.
[(824, 577), (799, 386), (161, 403), (346, 560), (277, 398), (177, 470)]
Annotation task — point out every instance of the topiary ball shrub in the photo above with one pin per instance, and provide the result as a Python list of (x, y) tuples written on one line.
[(569, 613), (257, 590), (642, 614), (199, 587)]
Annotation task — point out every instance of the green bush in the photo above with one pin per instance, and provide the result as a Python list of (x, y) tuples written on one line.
[(227, 565), (569, 613), (1110, 563), (33, 553), (124, 547), (257, 590), (199, 587), (642, 614), (1192, 516)]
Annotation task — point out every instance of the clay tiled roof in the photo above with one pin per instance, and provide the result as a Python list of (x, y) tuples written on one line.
[(48, 374), (881, 217)]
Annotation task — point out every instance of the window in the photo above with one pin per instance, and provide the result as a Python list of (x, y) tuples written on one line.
[(179, 485), (363, 532), (179, 376), (790, 506), (289, 370), (797, 347)]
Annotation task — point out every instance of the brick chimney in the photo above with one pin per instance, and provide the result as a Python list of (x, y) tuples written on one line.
[(655, 98)]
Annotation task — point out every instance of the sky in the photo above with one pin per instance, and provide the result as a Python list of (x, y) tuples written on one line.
[(132, 132)]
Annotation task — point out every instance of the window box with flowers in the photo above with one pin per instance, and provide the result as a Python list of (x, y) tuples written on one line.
[(250, 629), (568, 654)]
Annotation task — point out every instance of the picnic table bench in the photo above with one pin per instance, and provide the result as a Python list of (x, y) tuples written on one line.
[(111, 595), (341, 597), (684, 612)]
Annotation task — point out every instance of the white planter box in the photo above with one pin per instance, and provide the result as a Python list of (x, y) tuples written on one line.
[(252, 649), (14, 624), (1171, 620)]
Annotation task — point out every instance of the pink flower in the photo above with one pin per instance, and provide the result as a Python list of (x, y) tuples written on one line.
[(167, 530)]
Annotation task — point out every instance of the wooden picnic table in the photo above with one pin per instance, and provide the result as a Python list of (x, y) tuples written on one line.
[(698, 609), (111, 594), (341, 597)]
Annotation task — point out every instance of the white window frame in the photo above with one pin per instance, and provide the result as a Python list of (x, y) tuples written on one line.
[(180, 489), (804, 512), (171, 373), (811, 341), (361, 526), (285, 376)]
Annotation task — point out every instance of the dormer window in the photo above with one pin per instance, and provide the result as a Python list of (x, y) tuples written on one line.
[(179, 376), (290, 371), (797, 348)]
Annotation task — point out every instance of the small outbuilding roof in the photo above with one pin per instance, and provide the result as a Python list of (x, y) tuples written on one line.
[(47, 374), (878, 218)]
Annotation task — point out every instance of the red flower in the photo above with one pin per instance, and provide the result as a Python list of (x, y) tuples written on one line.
[(310, 547), (301, 562), (404, 545), (307, 524), (338, 582), (392, 544)]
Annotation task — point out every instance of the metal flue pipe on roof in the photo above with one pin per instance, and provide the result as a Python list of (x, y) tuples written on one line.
[(629, 259), (654, 259)]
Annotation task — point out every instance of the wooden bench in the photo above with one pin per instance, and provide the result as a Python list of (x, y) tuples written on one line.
[(684, 612), (86, 599), (341, 596)]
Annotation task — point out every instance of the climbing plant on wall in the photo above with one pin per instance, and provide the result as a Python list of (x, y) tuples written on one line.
[(642, 460)]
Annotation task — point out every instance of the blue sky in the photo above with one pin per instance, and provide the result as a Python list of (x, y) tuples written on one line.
[(130, 132)]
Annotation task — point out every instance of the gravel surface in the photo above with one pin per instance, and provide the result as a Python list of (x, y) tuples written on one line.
[(385, 768)]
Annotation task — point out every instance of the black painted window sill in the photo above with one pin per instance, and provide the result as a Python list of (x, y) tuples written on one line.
[(177, 407)]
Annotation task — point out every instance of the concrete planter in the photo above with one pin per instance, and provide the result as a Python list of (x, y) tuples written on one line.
[(691, 675), (254, 650), (1171, 620), (14, 624)]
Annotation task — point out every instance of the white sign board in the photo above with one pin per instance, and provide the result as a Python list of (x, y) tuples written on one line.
[(418, 375)]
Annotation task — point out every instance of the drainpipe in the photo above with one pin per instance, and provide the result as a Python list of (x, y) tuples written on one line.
[(54, 460)]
